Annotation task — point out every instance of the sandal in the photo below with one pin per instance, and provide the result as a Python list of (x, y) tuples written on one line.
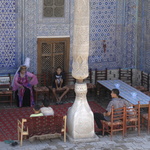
[(14, 144)]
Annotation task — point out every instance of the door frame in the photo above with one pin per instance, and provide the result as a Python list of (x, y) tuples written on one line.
[(41, 40)]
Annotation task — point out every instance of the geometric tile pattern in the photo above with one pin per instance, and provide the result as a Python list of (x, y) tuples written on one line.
[(36, 25), (7, 35), (102, 27), (144, 36), (30, 33), (27, 32), (147, 37), (115, 22), (53, 26), (112, 21), (130, 36)]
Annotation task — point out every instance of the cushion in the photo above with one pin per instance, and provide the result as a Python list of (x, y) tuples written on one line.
[(132, 119), (119, 122), (145, 116), (6, 92), (41, 89)]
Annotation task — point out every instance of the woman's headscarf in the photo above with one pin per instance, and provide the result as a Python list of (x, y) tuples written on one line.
[(26, 63)]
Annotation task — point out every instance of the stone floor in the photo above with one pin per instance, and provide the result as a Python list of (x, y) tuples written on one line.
[(131, 142)]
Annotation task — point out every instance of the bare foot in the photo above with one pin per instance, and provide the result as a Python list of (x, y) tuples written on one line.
[(59, 99)]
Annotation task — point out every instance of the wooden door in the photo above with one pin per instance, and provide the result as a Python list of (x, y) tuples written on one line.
[(53, 52)]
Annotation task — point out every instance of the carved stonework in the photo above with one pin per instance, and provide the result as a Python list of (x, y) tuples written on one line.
[(80, 66), (81, 90), (81, 39), (80, 122)]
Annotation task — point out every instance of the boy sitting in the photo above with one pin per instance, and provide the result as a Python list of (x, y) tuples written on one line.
[(37, 111), (46, 109), (58, 85)]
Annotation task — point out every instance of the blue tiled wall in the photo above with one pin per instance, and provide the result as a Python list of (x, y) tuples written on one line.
[(143, 57), (8, 39), (113, 21)]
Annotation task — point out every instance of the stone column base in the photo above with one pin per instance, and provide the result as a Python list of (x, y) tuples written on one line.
[(82, 140)]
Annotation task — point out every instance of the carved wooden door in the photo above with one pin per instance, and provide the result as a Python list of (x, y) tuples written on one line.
[(53, 52)]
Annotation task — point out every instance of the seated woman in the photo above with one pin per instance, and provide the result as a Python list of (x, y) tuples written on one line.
[(46, 110), (22, 85)]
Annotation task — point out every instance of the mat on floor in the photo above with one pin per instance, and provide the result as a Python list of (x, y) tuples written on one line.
[(9, 116)]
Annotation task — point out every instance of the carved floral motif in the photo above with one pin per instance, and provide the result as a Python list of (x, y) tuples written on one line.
[(81, 39)]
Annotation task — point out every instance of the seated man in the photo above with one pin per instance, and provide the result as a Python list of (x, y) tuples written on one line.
[(46, 110), (37, 111), (116, 102), (58, 84)]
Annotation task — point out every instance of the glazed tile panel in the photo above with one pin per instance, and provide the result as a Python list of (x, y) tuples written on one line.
[(8, 53), (115, 22)]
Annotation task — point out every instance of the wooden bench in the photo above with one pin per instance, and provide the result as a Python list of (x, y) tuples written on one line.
[(41, 87), (43, 127), (5, 89)]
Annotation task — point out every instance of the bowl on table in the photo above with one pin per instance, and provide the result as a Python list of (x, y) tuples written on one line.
[(117, 85), (134, 94)]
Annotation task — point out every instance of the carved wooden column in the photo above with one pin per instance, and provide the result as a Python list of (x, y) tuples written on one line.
[(80, 122)]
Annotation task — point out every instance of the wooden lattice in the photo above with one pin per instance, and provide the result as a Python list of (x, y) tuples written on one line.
[(46, 48), (52, 52), (46, 64), (59, 54), (59, 47), (59, 60)]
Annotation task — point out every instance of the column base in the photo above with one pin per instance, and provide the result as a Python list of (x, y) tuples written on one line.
[(84, 140)]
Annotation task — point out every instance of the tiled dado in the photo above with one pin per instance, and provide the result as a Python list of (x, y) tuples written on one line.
[(114, 75), (8, 29)]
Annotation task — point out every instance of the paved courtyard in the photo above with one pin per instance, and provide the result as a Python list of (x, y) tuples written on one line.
[(131, 142)]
